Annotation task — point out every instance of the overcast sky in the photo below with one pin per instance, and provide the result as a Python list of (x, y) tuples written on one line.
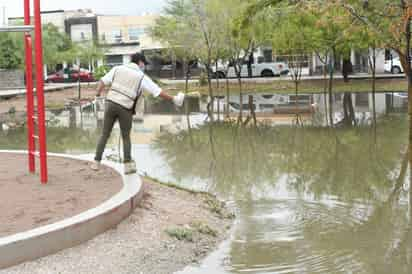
[(14, 8)]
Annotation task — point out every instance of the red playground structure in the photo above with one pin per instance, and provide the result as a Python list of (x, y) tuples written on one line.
[(36, 128)]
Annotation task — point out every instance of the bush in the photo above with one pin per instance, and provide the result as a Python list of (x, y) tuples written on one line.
[(100, 72)]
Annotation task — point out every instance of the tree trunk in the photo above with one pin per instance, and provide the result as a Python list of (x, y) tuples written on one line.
[(373, 67), (410, 114), (240, 118), (374, 95), (408, 73), (331, 71), (212, 98), (186, 103), (346, 118), (296, 102), (218, 91), (249, 64), (252, 110), (325, 88), (227, 98), (351, 110)]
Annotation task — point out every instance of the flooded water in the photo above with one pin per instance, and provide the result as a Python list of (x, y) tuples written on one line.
[(308, 199)]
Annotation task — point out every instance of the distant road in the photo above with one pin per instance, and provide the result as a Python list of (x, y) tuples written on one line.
[(288, 78)]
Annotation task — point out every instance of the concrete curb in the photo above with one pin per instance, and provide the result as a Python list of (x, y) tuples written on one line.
[(49, 239), (47, 88)]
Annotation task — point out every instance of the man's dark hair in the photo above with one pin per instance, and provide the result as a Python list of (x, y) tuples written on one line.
[(138, 57)]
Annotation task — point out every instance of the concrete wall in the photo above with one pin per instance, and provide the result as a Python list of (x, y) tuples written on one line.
[(11, 79)]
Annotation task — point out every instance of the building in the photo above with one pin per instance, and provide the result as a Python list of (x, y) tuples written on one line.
[(120, 36), (81, 25), (123, 36), (55, 17)]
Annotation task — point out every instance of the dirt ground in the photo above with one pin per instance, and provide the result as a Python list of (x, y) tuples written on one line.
[(72, 188), (147, 241)]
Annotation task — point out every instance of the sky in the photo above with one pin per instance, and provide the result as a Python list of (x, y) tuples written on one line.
[(14, 8)]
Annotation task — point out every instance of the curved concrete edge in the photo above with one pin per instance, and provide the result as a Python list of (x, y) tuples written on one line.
[(49, 239)]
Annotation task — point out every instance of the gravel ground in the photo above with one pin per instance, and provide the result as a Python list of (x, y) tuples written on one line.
[(140, 244)]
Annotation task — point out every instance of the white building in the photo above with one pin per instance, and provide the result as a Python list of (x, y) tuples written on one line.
[(124, 36)]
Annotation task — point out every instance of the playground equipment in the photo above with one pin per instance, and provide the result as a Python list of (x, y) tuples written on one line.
[(33, 118)]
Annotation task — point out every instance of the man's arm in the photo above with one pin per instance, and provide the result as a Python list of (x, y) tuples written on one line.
[(105, 81), (100, 88), (151, 87)]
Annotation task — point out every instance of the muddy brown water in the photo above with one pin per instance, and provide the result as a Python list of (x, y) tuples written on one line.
[(308, 199)]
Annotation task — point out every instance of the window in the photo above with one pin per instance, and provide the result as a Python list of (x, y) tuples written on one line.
[(117, 36), (267, 55), (135, 33), (114, 60)]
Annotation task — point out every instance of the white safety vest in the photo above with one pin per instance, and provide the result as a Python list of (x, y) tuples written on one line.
[(126, 86)]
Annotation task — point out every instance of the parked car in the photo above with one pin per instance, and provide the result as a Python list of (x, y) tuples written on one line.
[(264, 69), (71, 76), (393, 66)]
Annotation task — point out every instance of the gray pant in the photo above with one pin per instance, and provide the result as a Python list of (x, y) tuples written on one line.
[(112, 113)]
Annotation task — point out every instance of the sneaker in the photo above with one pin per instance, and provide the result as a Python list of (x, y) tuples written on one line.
[(95, 165), (130, 167)]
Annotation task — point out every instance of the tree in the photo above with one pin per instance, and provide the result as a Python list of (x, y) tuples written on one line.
[(175, 29), (11, 56), (335, 40), (297, 37), (243, 39), (88, 52), (390, 22), (57, 46), (331, 37), (368, 41), (239, 43)]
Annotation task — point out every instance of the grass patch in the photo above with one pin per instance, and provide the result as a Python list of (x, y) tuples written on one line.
[(174, 185), (215, 206), (203, 228), (180, 233), (55, 105), (212, 203), (305, 86), (218, 207)]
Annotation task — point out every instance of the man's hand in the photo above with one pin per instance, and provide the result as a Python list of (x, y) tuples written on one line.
[(177, 100)]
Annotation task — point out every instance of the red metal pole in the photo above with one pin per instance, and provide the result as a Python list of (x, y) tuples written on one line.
[(40, 91), (29, 88)]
